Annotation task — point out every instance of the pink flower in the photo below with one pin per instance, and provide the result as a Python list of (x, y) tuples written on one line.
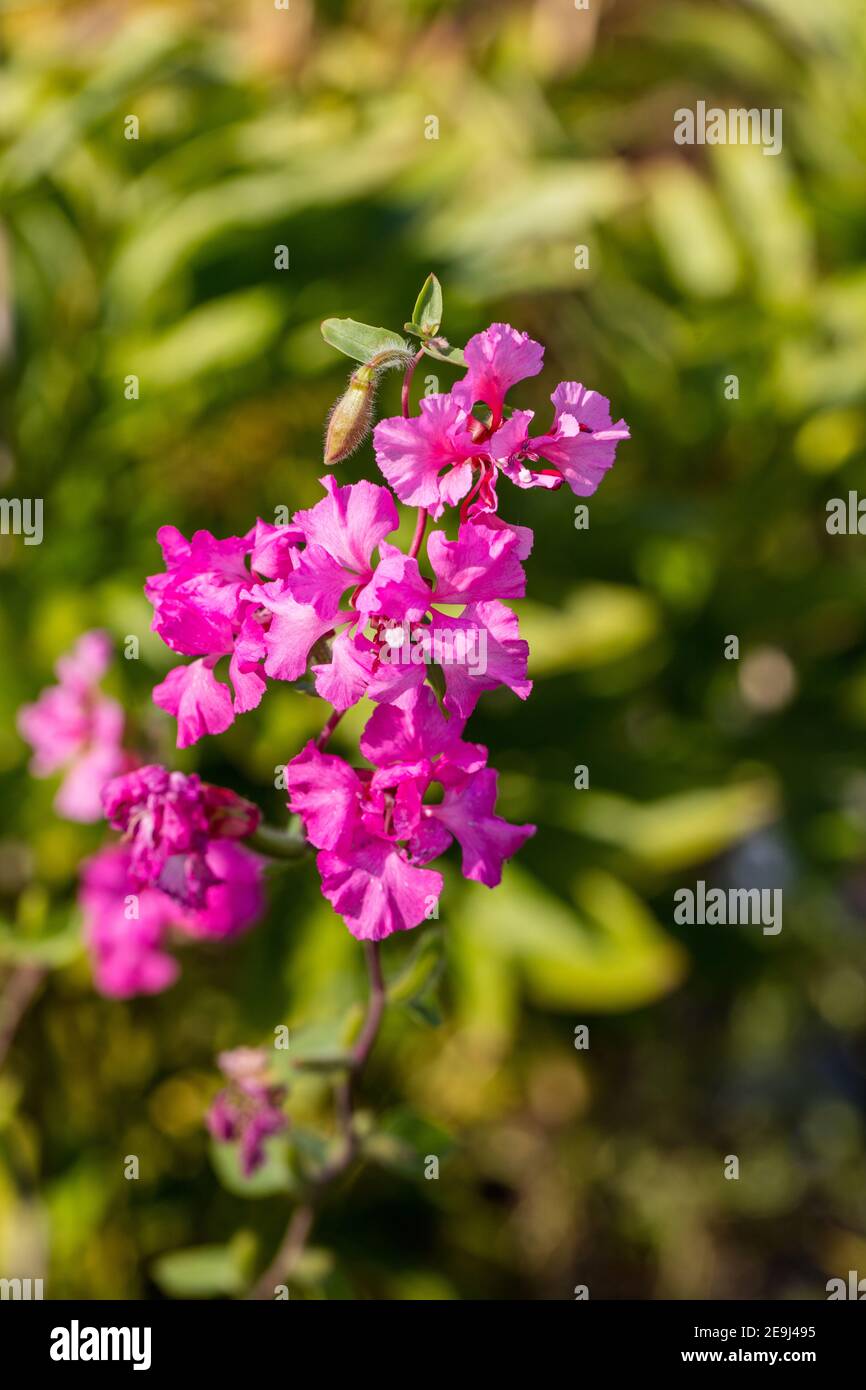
[(249, 1110), (203, 608), (342, 533), (374, 829), (170, 820), (73, 726), (126, 927), (432, 459), (477, 650), (581, 444), (392, 605), (497, 359)]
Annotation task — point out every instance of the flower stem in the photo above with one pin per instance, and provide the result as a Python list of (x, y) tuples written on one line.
[(325, 736), (277, 844), (297, 1232), (407, 382), (420, 527)]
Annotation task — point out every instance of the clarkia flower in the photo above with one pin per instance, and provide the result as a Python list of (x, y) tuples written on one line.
[(373, 828), (73, 727), (127, 928), (202, 608), (249, 1110), (391, 604), (448, 454), (170, 820)]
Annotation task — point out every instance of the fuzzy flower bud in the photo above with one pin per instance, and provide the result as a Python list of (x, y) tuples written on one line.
[(349, 421)]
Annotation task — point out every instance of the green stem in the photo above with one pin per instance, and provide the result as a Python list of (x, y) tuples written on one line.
[(277, 844)]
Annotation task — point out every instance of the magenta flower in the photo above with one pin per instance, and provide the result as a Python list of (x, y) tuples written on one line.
[(373, 829), (170, 820), (581, 445), (447, 454), (75, 728), (249, 1110), (202, 608), (383, 642), (342, 533), (127, 928)]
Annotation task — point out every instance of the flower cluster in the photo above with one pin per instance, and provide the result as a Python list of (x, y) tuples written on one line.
[(330, 597), (373, 829), (249, 1110), (180, 875), (74, 728), (447, 455)]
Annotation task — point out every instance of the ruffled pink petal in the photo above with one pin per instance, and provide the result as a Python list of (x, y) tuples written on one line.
[(486, 840), (236, 900), (394, 681), (200, 703), (245, 671), (344, 679), (350, 522), (412, 453), (374, 889), (324, 791), (294, 628), (416, 734), (497, 359), (583, 442), (275, 549), (397, 589), (483, 562), (485, 652), (320, 581)]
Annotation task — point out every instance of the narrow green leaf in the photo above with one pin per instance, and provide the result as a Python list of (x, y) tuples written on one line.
[(428, 307), (360, 340)]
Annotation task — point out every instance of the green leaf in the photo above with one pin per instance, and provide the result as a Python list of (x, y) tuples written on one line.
[(321, 1046), (402, 1141), (54, 950), (444, 352), (313, 1266), (206, 1271), (275, 1174), (428, 307), (360, 340)]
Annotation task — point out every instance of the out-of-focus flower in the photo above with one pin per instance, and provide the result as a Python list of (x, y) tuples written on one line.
[(75, 728), (127, 928), (249, 1110), (170, 821)]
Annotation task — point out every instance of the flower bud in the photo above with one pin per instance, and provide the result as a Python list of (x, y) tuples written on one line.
[(349, 421)]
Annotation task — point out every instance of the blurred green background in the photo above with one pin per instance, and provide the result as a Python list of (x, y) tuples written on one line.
[(306, 128)]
